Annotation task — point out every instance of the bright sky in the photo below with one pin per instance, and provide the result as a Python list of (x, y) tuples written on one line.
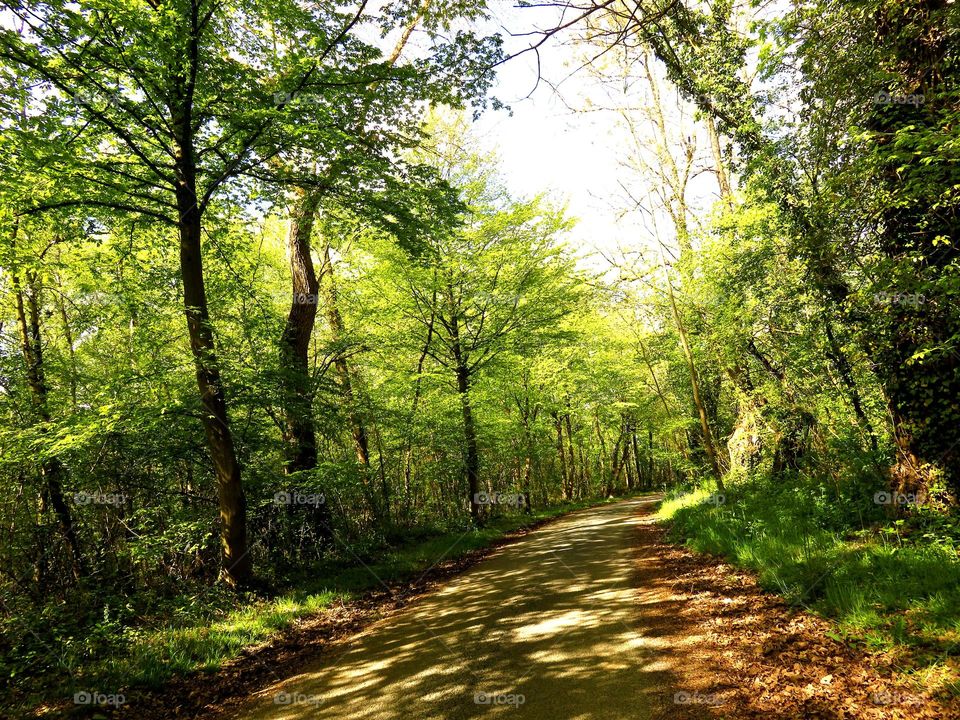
[(547, 145)]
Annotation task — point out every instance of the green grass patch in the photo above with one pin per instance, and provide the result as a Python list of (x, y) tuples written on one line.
[(887, 583)]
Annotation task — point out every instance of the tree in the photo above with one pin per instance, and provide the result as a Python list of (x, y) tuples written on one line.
[(176, 94), (498, 282)]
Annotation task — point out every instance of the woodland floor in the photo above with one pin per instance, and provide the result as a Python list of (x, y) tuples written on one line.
[(594, 615)]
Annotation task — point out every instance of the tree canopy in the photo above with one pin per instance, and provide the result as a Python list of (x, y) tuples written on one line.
[(269, 305)]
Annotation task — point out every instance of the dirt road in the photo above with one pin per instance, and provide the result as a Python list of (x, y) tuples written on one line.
[(593, 616), (546, 628)]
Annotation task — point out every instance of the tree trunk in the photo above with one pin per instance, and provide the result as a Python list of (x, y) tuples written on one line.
[(572, 463), (629, 466), (471, 451), (300, 431), (417, 389), (69, 341), (605, 474), (561, 453), (622, 456), (525, 483), (472, 459), (840, 361), (650, 450), (723, 179), (641, 480), (299, 435), (527, 416), (358, 429), (237, 564), (585, 478), (708, 444), (51, 469)]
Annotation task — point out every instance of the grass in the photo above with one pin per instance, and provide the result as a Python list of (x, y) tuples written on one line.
[(200, 633), (889, 584)]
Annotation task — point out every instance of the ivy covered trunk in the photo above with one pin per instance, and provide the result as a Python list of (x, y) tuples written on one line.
[(917, 323)]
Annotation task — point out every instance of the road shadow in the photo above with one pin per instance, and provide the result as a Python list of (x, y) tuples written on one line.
[(547, 628)]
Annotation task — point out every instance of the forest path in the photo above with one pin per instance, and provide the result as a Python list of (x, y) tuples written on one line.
[(559, 625)]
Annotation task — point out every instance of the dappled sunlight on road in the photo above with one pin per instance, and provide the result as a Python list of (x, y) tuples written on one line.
[(546, 628)]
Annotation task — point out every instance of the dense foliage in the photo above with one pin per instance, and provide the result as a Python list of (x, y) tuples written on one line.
[(268, 309)]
